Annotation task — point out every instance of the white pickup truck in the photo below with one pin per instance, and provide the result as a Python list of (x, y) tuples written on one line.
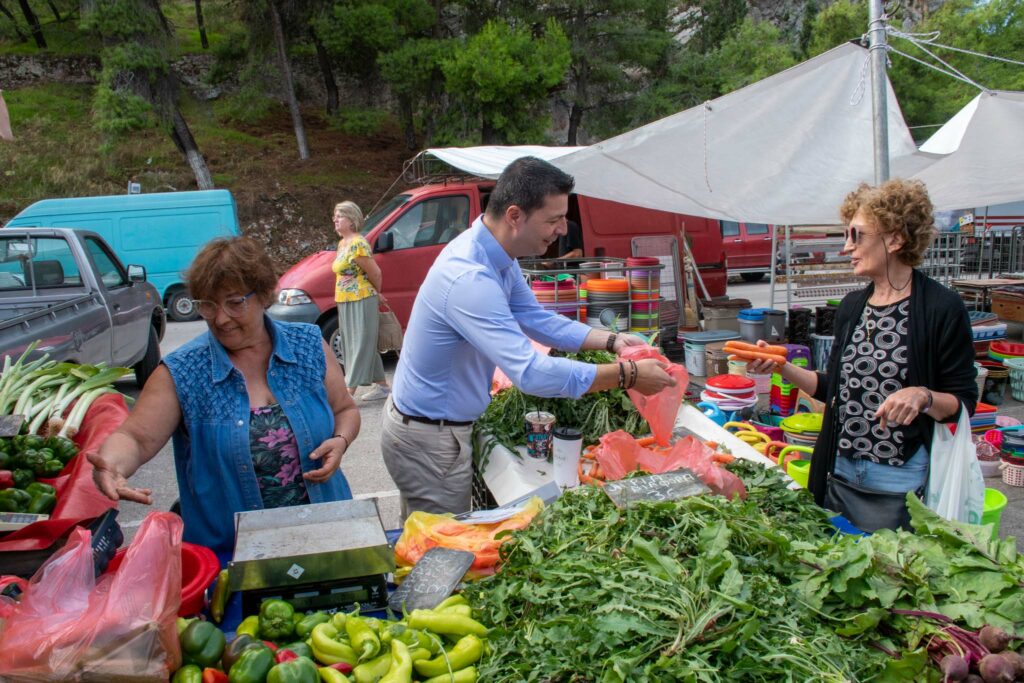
[(67, 289)]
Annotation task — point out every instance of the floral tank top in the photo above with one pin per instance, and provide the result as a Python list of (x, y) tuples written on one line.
[(351, 283), (275, 458)]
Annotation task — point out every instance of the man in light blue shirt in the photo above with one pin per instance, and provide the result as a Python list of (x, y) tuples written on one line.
[(474, 312)]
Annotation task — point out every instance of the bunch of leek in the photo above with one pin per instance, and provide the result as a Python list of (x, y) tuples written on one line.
[(42, 390)]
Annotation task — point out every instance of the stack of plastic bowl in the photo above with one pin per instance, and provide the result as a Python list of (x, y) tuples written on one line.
[(559, 295), (645, 289), (608, 304), (730, 392), (982, 374), (1012, 453), (1016, 368), (802, 429), (1001, 350)]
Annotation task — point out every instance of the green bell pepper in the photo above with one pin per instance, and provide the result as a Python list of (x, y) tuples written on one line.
[(35, 461), (300, 670), (276, 622), (202, 643), (299, 647), (308, 621), (18, 497), (43, 504), (234, 649), (8, 504), (190, 673), (5, 445), (33, 441), (38, 487), (52, 468), (5, 460), (252, 666), (23, 477)]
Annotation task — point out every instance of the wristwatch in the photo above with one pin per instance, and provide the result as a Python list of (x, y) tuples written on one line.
[(610, 344), (927, 406)]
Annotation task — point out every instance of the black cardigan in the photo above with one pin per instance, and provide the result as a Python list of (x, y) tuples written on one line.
[(941, 358)]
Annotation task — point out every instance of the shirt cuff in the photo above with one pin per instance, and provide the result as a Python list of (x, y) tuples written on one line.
[(575, 336)]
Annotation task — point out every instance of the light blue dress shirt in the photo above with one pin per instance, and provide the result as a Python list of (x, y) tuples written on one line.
[(473, 313)]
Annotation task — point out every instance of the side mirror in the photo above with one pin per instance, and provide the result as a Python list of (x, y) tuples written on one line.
[(136, 273), (386, 242)]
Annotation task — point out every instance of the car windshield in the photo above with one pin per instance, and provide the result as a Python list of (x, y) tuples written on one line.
[(377, 216)]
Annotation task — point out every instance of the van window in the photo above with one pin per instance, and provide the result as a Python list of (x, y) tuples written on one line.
[(757, 229), (110, 271), (377, 216), (730, 228), (433, 221), (49, 263)]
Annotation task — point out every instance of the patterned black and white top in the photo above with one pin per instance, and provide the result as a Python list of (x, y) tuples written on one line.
[(873, 366)]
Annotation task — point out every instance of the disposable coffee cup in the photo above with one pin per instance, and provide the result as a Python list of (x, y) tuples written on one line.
[(539, 427), (566, 450)]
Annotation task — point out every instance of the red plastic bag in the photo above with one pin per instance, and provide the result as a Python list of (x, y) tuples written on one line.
[(78, 499), (70, 627), (659, 409)]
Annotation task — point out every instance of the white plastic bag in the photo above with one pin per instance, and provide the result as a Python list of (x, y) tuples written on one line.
[(956, 487)]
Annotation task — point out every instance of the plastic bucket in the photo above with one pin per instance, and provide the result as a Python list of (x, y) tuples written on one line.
[(694, 358), (199, 567), (800, 471), (751, 330), (992, 513)]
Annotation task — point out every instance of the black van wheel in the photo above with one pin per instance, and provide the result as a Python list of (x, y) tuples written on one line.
[(145, 367), (329, 329), (180, 307)]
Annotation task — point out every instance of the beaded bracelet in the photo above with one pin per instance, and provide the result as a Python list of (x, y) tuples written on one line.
[(622, 376)]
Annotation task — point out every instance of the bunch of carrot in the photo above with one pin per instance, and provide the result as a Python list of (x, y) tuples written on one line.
[(744, 351)]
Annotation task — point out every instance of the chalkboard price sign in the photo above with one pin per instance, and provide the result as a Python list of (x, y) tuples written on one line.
[(10, 425), (673, 485), (432, 579)]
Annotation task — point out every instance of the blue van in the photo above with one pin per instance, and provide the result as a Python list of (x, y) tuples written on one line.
[(162, 231)]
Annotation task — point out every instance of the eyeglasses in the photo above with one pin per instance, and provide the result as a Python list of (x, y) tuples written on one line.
[(853, 234), (234, 307)]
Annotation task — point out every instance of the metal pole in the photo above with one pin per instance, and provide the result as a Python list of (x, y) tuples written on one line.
[(879, 96)]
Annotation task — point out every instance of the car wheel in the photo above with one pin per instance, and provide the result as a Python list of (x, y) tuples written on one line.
[(751, 277), (145, 367), (180, 307), (329, 328)]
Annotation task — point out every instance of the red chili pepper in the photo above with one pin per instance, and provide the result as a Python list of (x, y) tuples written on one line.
[(214, 676), (273, 648), (343, 667), (284, 655), (6, 479)]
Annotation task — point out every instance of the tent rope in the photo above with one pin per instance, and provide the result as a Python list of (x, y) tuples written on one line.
[(952, 74), (930, 38), (862, 83)]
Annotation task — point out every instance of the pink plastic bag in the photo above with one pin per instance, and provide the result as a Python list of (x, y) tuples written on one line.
[(122, 628), (659, 409)]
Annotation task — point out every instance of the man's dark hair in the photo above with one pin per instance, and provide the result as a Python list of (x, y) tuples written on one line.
[(527, 182)]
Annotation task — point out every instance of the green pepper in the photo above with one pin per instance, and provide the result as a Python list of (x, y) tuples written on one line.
[(5, 445), (249, 626), (48, 452), (446, 623), (299, 670), (23, 477), (52, 468), (5, 460), (252, 666), (8, 504), (18, 497), (276, 621), (221, 593), (299, 647), (35, 461), (190, 673), (33, 441), (202, 643), (467, 675), (234, 649), (364, 641), (373, 670), (328, 648), (401, 664), (42, 504), (64, 449), (329, 675), (451, 601), (467, 651), (308, 621), (37, 487)]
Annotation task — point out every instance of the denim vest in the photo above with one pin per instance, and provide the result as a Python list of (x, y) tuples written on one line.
[(211, 445)]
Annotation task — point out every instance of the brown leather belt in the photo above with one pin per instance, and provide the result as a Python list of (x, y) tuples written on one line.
[(430, 421)]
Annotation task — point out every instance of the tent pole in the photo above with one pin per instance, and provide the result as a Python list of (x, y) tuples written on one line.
[(880, 118)]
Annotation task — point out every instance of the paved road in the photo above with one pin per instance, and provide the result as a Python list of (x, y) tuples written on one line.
[(362, 464)]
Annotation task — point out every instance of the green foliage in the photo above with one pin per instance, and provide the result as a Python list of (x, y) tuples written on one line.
[(361, 122), (838, 23), (503, 75), (411, 67), (117, 111), (710, 21)]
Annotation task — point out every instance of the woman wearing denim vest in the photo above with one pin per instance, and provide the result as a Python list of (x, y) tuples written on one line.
[(258, 409)]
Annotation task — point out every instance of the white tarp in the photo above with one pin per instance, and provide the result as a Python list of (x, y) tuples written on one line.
[(786, 149), (987, 166), (490, 161)]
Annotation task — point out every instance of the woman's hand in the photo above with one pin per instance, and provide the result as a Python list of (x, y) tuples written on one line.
[(760, 366), (330, 451), (109, 479), (902, 407)]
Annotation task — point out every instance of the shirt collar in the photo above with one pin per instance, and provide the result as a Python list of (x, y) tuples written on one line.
[(496, 253), (221, 364)]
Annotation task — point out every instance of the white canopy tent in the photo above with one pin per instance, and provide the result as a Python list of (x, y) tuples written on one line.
[(489, 161)]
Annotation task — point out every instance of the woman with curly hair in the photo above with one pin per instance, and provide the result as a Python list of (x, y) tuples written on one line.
[(902, 361)]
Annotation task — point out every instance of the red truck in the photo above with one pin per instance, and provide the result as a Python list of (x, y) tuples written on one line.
[(409, 231)]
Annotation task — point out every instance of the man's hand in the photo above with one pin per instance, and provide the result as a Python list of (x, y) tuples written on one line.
[(651, 376), (331, 452), (622, 341)]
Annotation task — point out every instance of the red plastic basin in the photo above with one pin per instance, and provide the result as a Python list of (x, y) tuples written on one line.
[(199, 567)]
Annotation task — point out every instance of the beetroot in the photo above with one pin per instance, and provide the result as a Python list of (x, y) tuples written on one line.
[(995, 669), (954, 668), (994, 638), (973, 678), (1014, 660)]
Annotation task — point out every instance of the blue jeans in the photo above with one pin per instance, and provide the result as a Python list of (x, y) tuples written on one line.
[(862, 472)]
